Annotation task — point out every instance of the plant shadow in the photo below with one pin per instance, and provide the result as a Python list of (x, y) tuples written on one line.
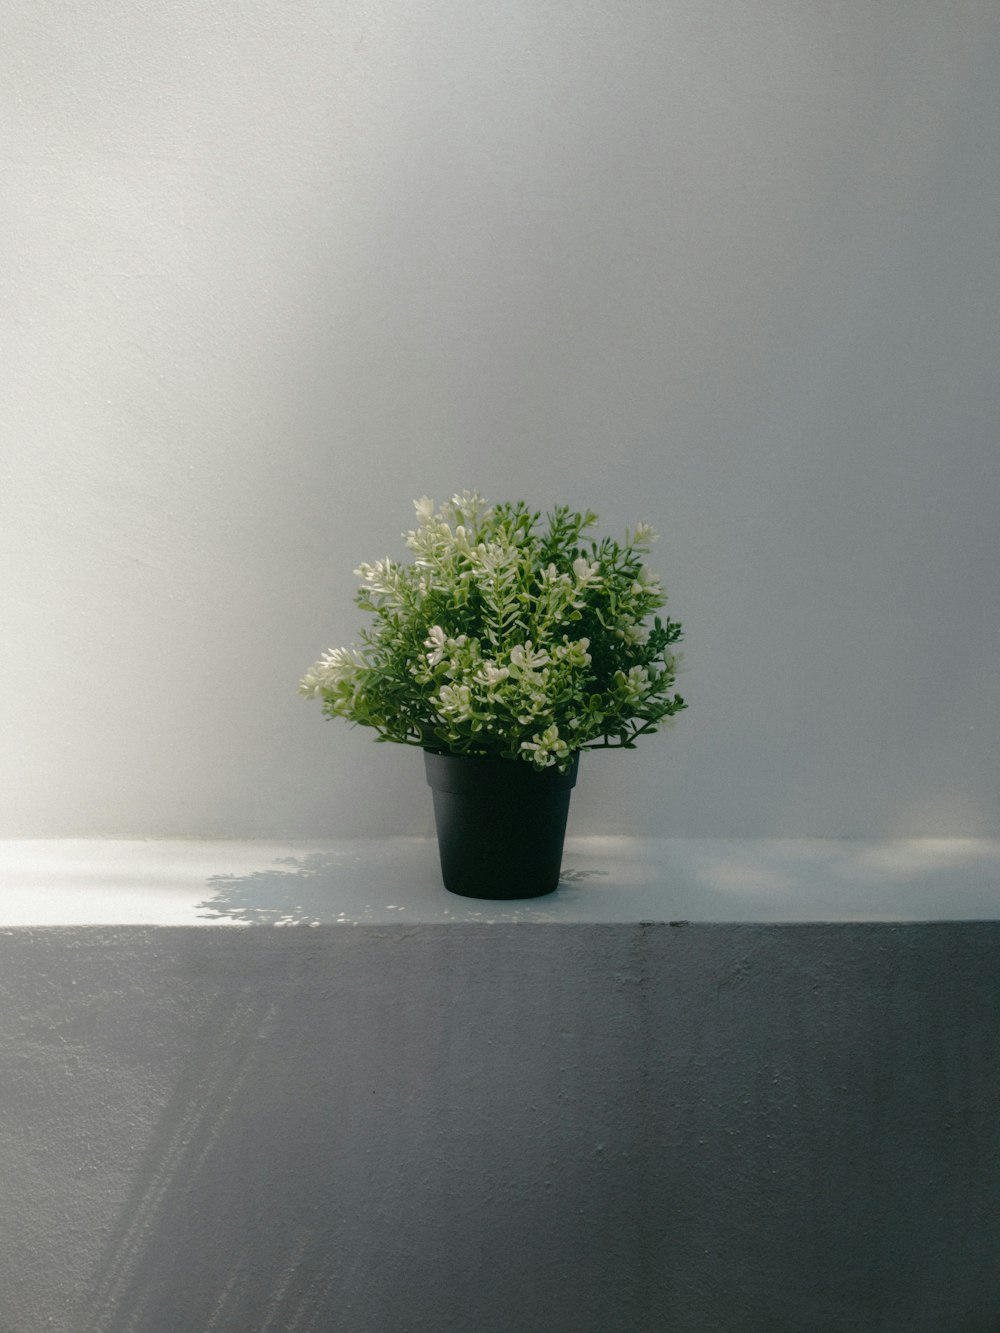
[(302, 895), (340, 887)]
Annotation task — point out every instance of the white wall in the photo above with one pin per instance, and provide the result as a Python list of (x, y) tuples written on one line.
[(271, 271)]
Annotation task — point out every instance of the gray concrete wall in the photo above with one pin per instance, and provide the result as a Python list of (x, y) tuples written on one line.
[(503, 1128)]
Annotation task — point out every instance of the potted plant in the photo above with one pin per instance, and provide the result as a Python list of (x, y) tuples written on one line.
[(503, 650)]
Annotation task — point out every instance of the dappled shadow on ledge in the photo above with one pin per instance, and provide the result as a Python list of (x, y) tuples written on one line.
[(343, 887), (298, 896)]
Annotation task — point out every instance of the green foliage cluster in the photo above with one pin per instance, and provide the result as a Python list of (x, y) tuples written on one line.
[(507, 640)]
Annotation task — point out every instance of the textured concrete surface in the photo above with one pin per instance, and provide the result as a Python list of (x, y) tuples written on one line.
[(529, 1126)]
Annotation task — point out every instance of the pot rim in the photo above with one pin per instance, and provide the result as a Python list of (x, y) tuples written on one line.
[(468, 772)]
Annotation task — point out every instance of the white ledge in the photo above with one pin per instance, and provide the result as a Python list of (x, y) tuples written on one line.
[(98, 882)]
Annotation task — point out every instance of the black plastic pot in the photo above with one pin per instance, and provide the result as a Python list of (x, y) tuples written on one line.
[(500, 824)]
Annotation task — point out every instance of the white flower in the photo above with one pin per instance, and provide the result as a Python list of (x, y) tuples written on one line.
[(310, 686), (437, 643), (489, 674), (632, 633), (462, 540), (425, 509), (383, 576), (644, 534), (526, 658), (441, 645), (647, 582), (636, 683), (455, 701), (333, 667), (573, 651), (585, 572), (547, 746), (495, 556), (468, 508), (431, 539)]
